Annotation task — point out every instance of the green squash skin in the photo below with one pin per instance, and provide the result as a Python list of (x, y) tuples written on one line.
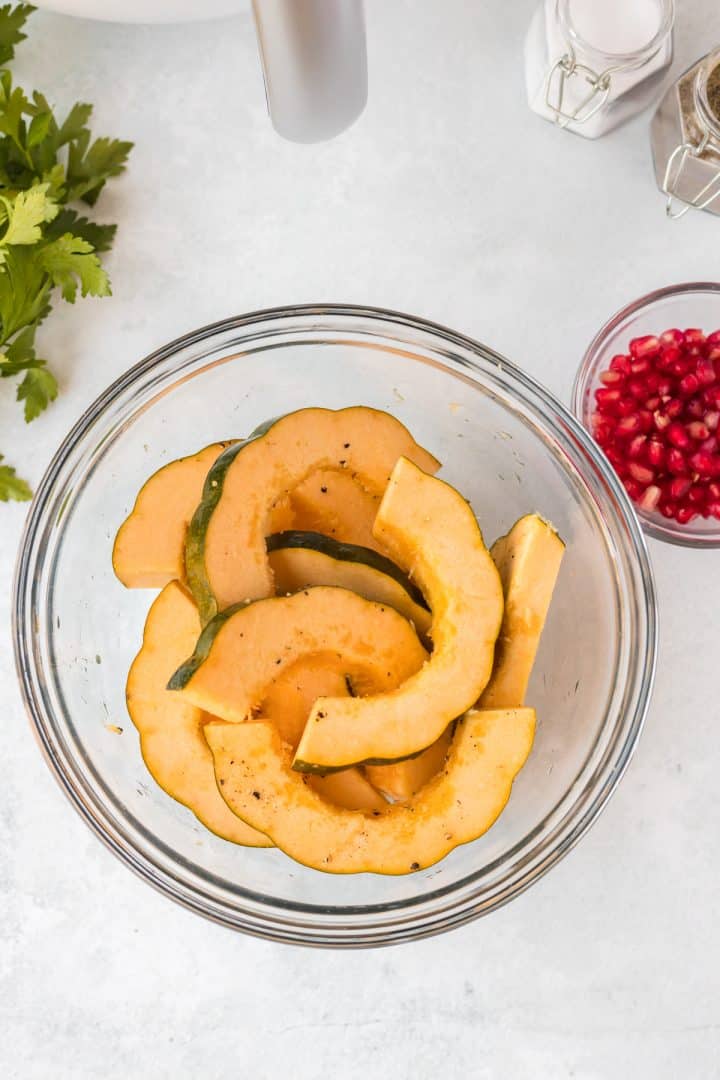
[(195, 572), (322, 770), (346, 552), (183, 675)]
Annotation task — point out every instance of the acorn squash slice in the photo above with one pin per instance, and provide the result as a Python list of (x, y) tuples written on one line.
[(149, 549), (171, 730), (430, 530), (403, 779), (245, 648), (253, 767), (528, 560), (288, 702), (225, 557), (299, 559), (335, 504)]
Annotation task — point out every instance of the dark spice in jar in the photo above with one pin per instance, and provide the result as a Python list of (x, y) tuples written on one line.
[(713, 91)]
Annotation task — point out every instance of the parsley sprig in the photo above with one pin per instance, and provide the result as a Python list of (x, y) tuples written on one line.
[(46, 245)]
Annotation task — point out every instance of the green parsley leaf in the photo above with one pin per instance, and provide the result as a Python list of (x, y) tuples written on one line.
[(26, 214), (100, 237), (70, 260), (12, 21), (91, 165), (11, 486), (37, 390)]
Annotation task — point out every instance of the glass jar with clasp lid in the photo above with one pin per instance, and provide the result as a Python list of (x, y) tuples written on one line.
[(686, 140), (591, 65)]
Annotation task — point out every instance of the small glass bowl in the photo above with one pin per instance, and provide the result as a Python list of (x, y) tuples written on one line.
[(504, 441), (694, 304)]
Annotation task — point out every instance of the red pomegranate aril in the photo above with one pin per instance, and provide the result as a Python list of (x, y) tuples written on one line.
[(694, 336), (653, 403), (688, 385), (607, 399), (640, 366), (661, 420), (698, 430), (695, 407), (628, 425), (652, 381), (637, 389), (656, 453), (636, 448), (644, 346), (713, 509), (711, 394), (681, 367), (616, 458), (713, 339), (626, 406), (673, 408), (685, 514), (672, 337), (703, 463), (668, 356), (621, 364), (714, 491), (612, 378), (712, 419), (704, 371), (710, 444), (664, 387), (678, 436), (642, 473), (697, 494), (679, 487), (633, 488), (712, 354), (667, 509), (676, 463), (650, 498)]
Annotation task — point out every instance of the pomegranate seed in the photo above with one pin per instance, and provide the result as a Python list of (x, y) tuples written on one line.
[(703, 464), (714, 491), (678, 436), (698, 430), (713, 339), (679, 487), (695, 408), (656, 453), (653, 381), (644, 346), (653, 403), (672, 337), (621, 364), (692, 337), (697, 494), (626, 406), (633, 488), (685, 514), (641, 366), (713, 509), (607, 400), (676, 462), (680, 367), (616, 458), (646, 421), (664, 387), (712, 395), (712, 419), (689, 384), (637, 388), (667, 509), (629, 425), (673, 408), (636, 449), (710, 444), (651, 498), (705, 371), (668, 356), (641, 473), (611, 378), (661, 420)]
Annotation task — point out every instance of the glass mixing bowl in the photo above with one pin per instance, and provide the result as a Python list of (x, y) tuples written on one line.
[(503, 440), (694, 304)]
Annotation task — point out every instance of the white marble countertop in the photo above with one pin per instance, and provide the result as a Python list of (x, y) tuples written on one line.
[(451, 200)]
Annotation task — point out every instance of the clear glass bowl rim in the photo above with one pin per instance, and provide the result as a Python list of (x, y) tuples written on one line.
[(671, 533), (410, 921)]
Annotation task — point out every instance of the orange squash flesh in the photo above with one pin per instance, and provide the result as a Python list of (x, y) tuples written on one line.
[(253, 766), (332, 503), (401, 780), (241, 652), (431, 532), (226, 560), (171, 730)]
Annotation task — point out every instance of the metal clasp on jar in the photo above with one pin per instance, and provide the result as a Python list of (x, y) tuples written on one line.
[(674, 170), (566, 68)]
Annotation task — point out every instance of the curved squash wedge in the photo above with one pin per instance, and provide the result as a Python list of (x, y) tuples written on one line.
[(241, 652), (334, 504), (288, 702), (149, 549), (171, 730), (300, 559), (253, 767), (528, 560), (403, 779), (225, 557), (430, 530)]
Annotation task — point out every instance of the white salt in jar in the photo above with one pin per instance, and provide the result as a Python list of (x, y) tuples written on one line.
[(592, 64)]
